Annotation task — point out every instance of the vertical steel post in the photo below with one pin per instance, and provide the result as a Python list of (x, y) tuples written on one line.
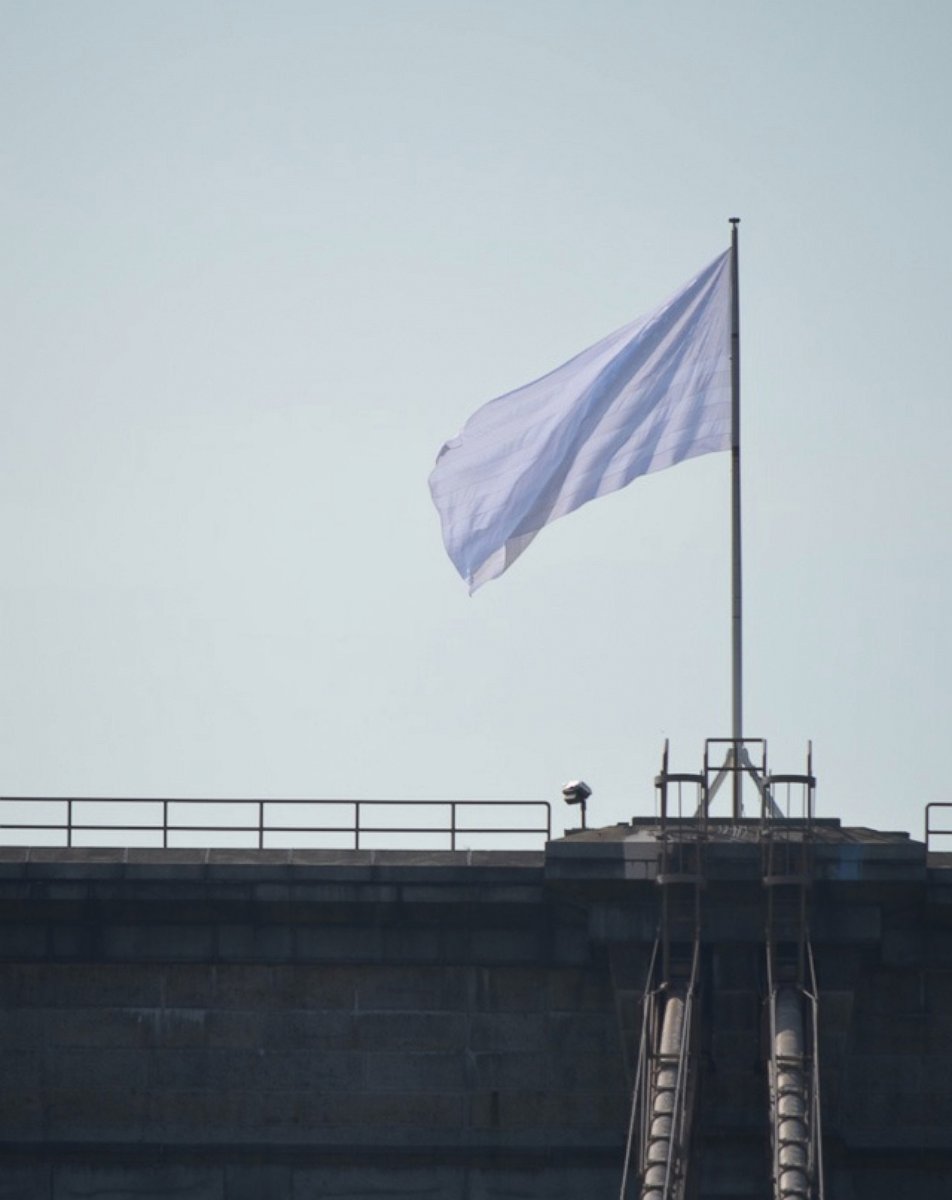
[(737, 730)]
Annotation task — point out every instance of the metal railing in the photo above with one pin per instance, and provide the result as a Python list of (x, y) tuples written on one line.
[(165, 818), (932, 830)]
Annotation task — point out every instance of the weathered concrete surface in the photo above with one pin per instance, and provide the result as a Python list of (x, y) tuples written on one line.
[(369, 1024)]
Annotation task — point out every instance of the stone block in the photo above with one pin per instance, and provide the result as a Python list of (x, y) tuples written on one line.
[(891, 1181), (105, 1027), (240, 1069), (586, 1072), (629, 965), (179, 1069), (937, 1033), (557, 1111), (570, 947), (22, 1066), (734, 1098), (741, 922), (310, 1029), (23, 941), (414, 1072), (937, 1072), (735, 965), (159, 943), (936, 1107), (184, 1117), (844, 922), (324, 986), (426, 1114), (512, 1071), (77, 942), (181, 1027), (14, 891), (334, 1071), (95, 1068), (411, 1031), (835, 1010), (576, 1034), (243, 1029), (938, 991), (456, 893), (834, 1048), (841, 967), (83, 1113), (21, 1026), (87, 984), (84, 865), (509, 988), (736, 1010), (577, 989), (736, 1049), (152, 1182), (26, 1181), (938, 947), (620, 923), (512, 1032), (225, 985), (370, 1182), (338, 944), (414, 944), (328, 893), (483, 1108), (401, 988), (255, 943), (527, 1109), (878, 1033), (902, 947), (22, 1112), (272, 893), (877, 1090), (255, 1181), (69, 893), (544, 1182), (896, 992)]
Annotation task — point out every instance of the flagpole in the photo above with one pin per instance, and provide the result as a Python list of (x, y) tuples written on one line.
[(737, 731)]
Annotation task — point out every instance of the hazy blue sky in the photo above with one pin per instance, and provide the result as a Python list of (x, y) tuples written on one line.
[(263, 259)]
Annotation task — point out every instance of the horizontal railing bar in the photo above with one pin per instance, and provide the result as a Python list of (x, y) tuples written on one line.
[(255, 828), (259, 822), (258, 800)]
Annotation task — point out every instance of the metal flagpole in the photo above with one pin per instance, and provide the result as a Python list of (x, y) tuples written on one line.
[(737, 731)]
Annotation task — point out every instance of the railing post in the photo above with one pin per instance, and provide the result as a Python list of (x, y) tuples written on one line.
[(452, 824), (260, 824), (69, 821), (356, 824)]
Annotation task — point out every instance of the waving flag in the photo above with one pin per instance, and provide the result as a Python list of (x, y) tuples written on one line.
[(648, 396)]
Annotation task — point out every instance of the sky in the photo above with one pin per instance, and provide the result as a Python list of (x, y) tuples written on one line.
[(262, 260)]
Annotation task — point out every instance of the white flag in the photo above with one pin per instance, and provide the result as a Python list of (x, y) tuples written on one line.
[(648, 396)]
